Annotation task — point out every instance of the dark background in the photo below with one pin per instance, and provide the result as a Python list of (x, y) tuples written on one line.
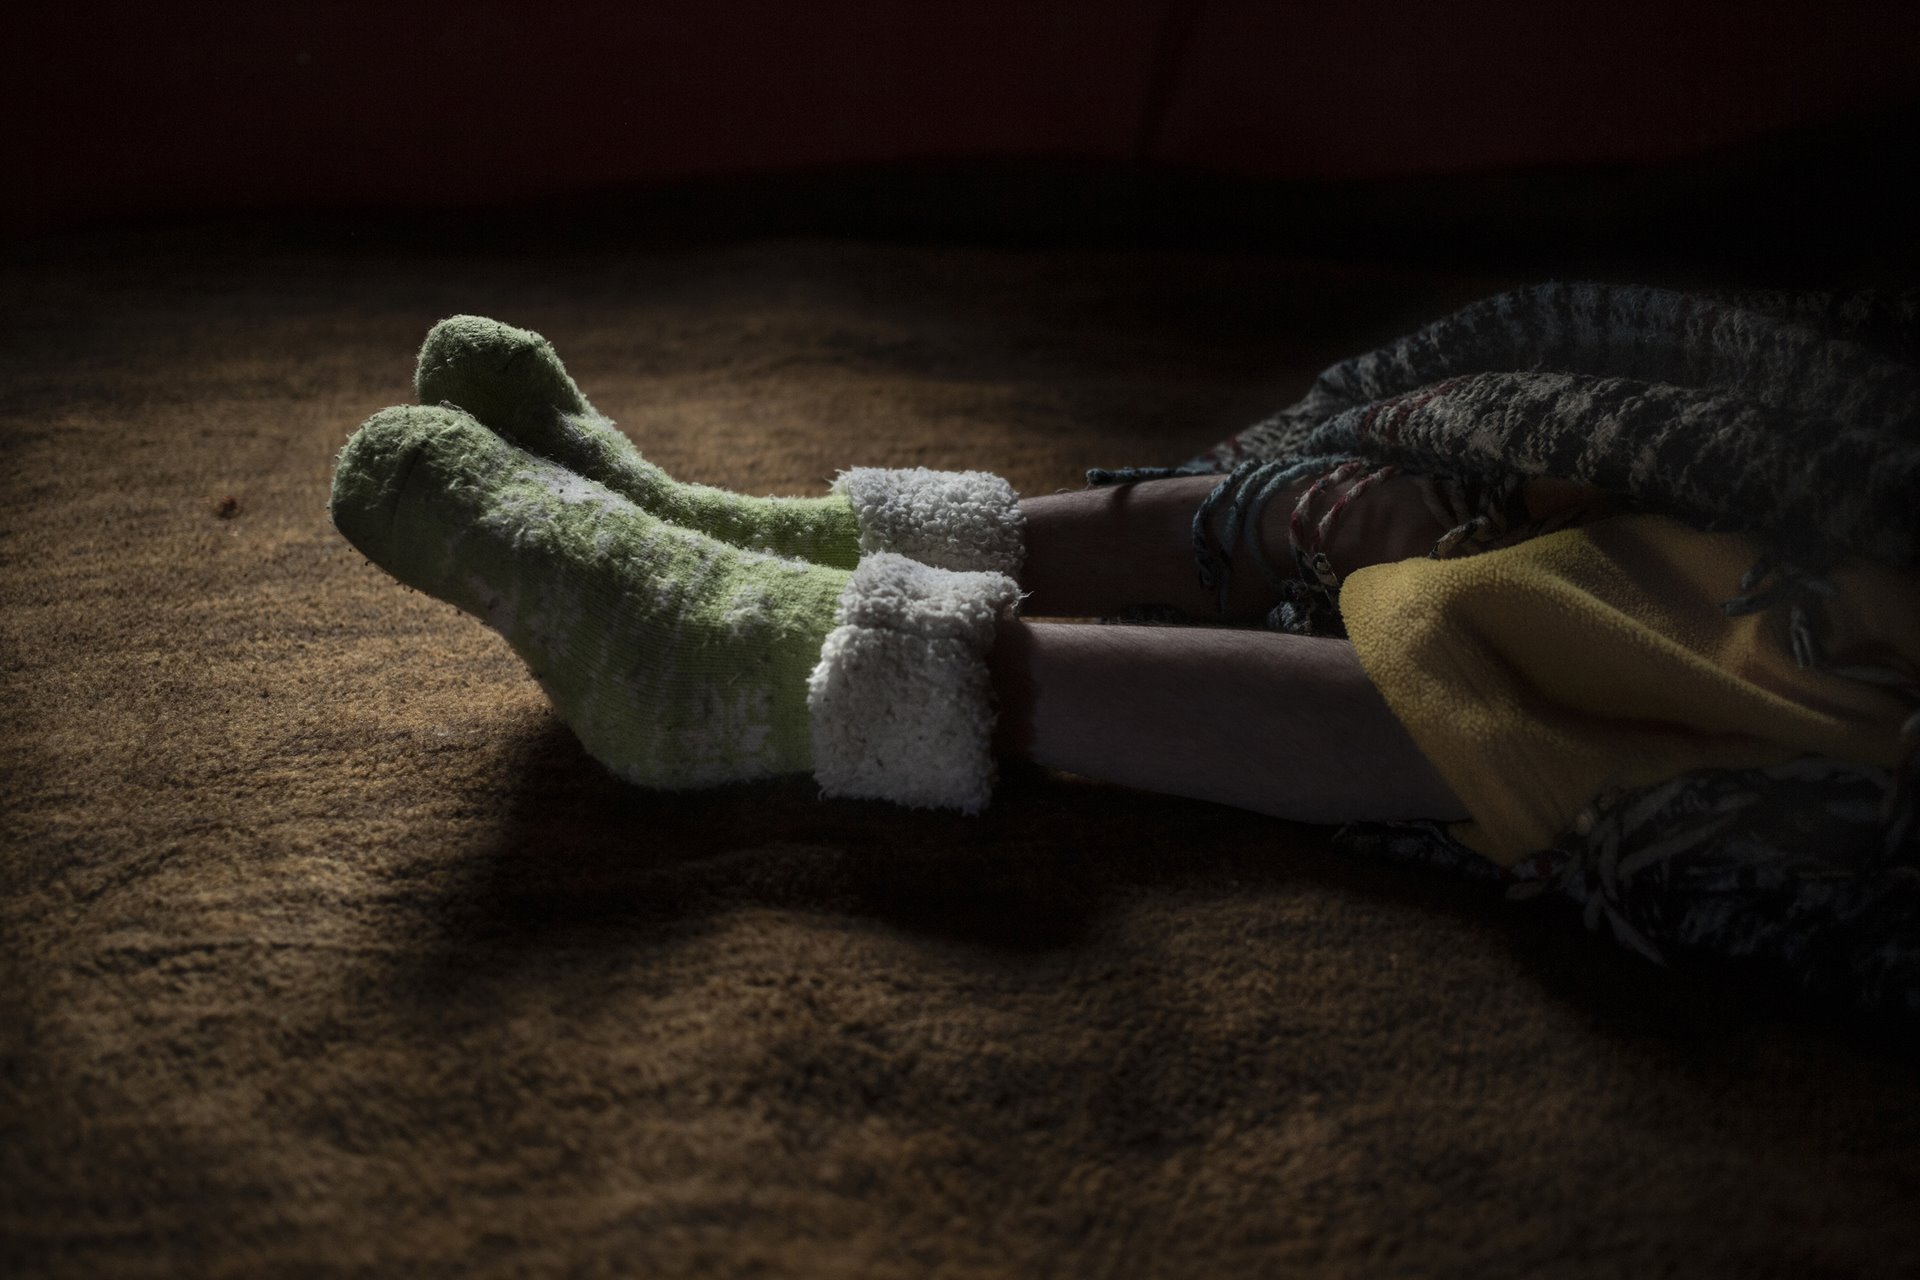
[(1763, 140)]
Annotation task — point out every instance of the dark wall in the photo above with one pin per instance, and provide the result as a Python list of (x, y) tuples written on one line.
[(117, 110)]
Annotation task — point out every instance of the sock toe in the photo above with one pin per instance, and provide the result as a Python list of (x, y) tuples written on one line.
[(379, 461), (372, 471), (511, 379)]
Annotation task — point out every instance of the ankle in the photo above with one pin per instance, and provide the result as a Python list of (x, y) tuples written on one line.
[(1010, 667)]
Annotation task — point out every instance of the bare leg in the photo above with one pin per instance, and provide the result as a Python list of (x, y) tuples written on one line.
[(1280, 724), (1097, 552)]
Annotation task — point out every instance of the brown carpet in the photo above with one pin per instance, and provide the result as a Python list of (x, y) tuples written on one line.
[(326, 951)]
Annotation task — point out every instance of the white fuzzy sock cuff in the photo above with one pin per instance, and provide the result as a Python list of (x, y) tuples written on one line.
[(902, 703), (967, 520)]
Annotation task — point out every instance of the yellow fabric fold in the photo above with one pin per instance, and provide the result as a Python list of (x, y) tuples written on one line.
[(1538, 676)]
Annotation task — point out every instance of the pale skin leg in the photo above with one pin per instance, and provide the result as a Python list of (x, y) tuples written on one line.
[(1280, 724)]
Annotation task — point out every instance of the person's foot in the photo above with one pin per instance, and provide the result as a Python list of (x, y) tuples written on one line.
[(512, 380), (680, 660)]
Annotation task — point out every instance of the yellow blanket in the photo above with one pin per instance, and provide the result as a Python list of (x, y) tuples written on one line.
[(1539, 676)]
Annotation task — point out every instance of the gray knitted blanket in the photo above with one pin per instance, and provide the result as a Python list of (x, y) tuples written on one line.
[(1794, 416), (1791, 413)]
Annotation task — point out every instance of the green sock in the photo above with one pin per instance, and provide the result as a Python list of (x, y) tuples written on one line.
[(678, 660), (511, 380)]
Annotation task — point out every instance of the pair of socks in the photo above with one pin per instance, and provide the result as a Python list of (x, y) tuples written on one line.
[(690, 636)]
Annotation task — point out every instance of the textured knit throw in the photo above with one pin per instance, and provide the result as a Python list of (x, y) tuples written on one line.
[(1787, 413), (1793, 416)]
